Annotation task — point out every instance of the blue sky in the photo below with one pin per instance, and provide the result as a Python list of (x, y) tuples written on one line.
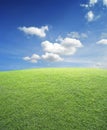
[(53, 33)]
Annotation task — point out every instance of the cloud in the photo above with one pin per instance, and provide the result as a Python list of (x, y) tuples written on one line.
[(105, 2), (98, 65), (41, 32), (27, 58), (52, 47), (70, 42), (74, 35), (98, 6), (102, 65), (90, 16), (84, 5), (52, 57), (77, 35), (92, 2), (83, 35), (66, 46), (54, 51), (97, 17), (102, 41), (33, 59)]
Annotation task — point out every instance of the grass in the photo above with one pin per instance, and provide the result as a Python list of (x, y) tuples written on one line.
[(53, 99)]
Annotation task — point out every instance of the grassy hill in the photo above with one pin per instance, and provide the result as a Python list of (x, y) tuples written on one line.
[(53, 99)]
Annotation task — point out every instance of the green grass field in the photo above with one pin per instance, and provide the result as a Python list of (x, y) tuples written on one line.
[(53, 99)]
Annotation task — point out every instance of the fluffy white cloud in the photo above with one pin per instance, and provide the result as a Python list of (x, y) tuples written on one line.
[(70, 42), (52, 47), (90, 16), (105, 2), (41, 32), (33, 59), (93, 2), (102, 41), (52, 57), (66, 46), (54, 51)]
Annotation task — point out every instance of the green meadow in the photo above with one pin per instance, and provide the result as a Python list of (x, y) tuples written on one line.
[(53, 99)]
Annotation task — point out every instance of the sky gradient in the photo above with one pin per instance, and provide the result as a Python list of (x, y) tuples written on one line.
[(53, 33)]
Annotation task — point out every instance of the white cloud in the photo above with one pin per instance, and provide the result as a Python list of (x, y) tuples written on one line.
[(66, 46), (77, 35), (83, 35), (70, 42), (41, 32), (33, 59), (90, 4), (27, 58), (84, 5), (53, 51), (74, 35), (105, 2), (52, 47), (52, 57), (93, 2), (102, 41), (90, 16)]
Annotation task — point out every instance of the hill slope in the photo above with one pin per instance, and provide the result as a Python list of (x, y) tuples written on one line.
[(53, 99)]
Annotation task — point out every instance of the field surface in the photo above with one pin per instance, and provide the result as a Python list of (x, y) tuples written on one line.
[(53, 99)]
